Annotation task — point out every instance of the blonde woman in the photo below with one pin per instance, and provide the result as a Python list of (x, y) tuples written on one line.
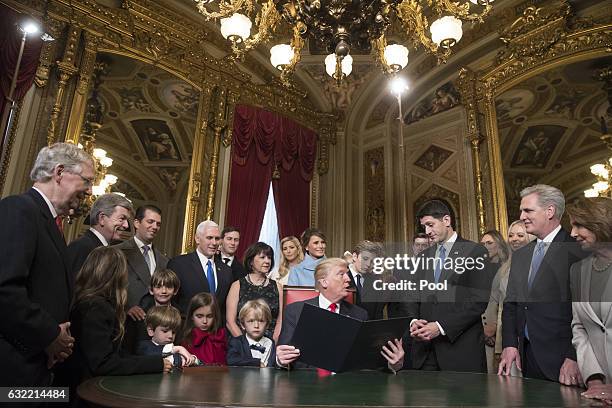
[(291, 255), (499, 257), (518, 237)]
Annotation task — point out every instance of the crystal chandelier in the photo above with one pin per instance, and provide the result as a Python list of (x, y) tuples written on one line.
[(602, 171), (341, 26), (103, 181)]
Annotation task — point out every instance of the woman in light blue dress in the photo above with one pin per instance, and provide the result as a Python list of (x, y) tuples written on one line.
[(314, 242)]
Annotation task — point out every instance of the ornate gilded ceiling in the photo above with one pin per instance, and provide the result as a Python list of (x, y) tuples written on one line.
[(550, 126), (149, 120)]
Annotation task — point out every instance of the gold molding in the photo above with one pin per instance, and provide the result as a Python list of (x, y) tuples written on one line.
[(66, 70), (192, 206), (6, 159), (315, 189), (466, 85), (540, 39), (79, 102), (174, 41), (219, 124), (54, 28)]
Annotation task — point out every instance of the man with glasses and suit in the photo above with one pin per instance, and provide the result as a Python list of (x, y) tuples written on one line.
[(35, 285)]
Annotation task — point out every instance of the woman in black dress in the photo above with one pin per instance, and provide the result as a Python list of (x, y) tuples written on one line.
[(258, 261)]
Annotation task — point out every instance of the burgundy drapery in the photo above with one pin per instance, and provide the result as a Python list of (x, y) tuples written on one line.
[(263, 141), (10, 41)]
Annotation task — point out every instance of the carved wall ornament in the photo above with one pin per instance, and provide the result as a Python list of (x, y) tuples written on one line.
[(535, 31), (542, 37)]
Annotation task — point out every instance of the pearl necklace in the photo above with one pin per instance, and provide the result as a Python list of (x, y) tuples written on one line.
[(263, 282), (601, 269)]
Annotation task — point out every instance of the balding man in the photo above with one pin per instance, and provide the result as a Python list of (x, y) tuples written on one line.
[(198, 270), (332, 282), (35, 291)]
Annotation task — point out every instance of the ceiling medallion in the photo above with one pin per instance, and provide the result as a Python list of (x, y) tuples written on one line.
[(341, 26)]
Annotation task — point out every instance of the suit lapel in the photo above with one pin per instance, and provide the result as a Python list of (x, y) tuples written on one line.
[(552, 254), (353, 284), (526, 266), (585, 289), (136, 261), (245, 347), (159, 258), (223, 279), (197, 265), (58, 240), (606, 307), (51, 227), (455, 252)]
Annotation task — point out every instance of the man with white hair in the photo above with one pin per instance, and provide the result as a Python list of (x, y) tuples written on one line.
[(199, 272), (35, 287), (332, 282), (537, 315)]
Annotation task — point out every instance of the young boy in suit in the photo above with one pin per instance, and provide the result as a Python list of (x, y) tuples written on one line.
[(163, 322), (253, 348), (165, 285)]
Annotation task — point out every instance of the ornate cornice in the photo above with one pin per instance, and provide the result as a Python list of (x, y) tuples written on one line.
[(527, 52)]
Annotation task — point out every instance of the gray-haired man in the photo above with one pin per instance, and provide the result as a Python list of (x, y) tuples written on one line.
[(109, 215), (35, 291)]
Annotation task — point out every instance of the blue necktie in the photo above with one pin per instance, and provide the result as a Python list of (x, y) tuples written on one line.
[(439, 263), (536, 261), (210, 276)]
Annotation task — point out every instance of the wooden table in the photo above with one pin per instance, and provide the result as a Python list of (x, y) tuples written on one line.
[(269, 387)]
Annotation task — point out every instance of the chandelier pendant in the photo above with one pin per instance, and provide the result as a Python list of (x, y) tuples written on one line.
[(344, 25)]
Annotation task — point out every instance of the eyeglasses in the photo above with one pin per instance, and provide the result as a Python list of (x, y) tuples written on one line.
[(88, 181)]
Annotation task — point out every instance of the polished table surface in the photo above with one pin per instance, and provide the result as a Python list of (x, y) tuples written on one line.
[(245, 386)]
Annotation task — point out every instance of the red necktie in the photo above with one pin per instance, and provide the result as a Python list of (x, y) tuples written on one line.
[(332, 307), (60, 224)]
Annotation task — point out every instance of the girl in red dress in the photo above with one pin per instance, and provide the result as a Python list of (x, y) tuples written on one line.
[(202, 333)]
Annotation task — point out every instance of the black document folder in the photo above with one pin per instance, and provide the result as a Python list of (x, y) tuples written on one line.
[(340, 343)]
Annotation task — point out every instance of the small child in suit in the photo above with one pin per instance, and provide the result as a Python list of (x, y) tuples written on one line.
[(165, 284), (163, 322), (253, 348)]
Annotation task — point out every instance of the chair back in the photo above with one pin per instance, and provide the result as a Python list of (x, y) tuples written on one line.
[(293, 294)]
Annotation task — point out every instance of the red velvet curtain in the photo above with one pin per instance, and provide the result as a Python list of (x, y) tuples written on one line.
[(10, 41), (262, 142)]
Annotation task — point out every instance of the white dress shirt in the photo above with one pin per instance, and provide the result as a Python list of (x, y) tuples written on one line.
[(231, 259), (264, 342), (204, 261), (354, 273), (99, 235), (49, 204), (324, 304), (150, 254), (448, 246)]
